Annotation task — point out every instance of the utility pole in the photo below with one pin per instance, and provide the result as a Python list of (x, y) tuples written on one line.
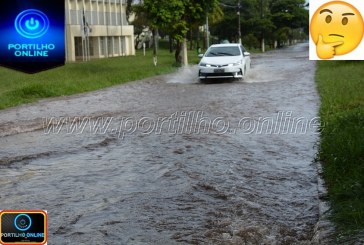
[(239, 24), (262, 16), (238, 9), (207, 32), (155, 46)]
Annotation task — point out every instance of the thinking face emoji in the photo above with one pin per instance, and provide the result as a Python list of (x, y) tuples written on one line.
[(336, 28)]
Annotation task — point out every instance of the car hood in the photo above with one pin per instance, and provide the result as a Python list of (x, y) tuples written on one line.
[(221, 60)]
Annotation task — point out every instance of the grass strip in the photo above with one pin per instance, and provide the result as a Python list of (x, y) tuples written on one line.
[(17, 88), (341, 88)]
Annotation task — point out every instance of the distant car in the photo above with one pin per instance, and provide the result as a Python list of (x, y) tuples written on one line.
[(224, 61)]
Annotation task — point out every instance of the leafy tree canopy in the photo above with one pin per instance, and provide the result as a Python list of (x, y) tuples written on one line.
[(176, 16)]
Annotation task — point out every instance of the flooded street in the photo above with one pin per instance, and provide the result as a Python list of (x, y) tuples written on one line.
[(168, 160)]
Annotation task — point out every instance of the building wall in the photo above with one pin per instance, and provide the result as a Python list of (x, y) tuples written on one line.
[(109, 35)]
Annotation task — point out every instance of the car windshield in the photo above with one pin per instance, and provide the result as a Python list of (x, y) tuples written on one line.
[(223, 51)]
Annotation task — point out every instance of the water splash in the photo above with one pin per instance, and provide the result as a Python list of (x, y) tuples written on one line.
[(185, 75)]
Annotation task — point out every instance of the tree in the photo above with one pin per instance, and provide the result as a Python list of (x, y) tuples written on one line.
[(271, 20), (250, 20), (288, 15), (140, 23), (129, 9), (176, 17)]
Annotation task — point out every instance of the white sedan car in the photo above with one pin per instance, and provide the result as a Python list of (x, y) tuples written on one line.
[(224, 61)]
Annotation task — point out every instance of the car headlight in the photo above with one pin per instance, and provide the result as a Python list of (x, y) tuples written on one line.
[(204, 64), (236, 63)]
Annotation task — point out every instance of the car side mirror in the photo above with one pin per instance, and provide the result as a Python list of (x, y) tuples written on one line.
[(246, 54), (200, 56)]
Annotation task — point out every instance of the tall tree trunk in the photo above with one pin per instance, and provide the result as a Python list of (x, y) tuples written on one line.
[(155, 46), (155, 41), (191, 39), (263, 45), (204, 40), (177, 54), (198, 38), (185, 56), (170, 44)]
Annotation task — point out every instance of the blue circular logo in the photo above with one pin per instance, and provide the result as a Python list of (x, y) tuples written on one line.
[(32, 23), (22, 222)]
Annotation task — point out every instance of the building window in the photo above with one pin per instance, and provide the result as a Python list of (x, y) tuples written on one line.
[(107, 17), (88, 17), (124, 20), (110, 45), (78, 46), (74, 19), (123, 46), (81, 45), (117, 45), (102, 46), (113, 19), (101, 18), (94, 18), (91, 45)]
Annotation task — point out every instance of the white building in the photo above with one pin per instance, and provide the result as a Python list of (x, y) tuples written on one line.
[(109, 34)]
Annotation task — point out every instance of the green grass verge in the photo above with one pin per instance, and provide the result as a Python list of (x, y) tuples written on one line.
[(17, 88), (341, 87)]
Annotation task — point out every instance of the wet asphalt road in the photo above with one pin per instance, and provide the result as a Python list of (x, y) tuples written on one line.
[(168, 160)]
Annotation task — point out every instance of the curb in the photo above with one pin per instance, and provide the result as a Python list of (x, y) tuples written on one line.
[(324, 228)]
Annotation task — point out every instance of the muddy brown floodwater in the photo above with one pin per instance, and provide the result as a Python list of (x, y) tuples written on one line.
[(168, 160)]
